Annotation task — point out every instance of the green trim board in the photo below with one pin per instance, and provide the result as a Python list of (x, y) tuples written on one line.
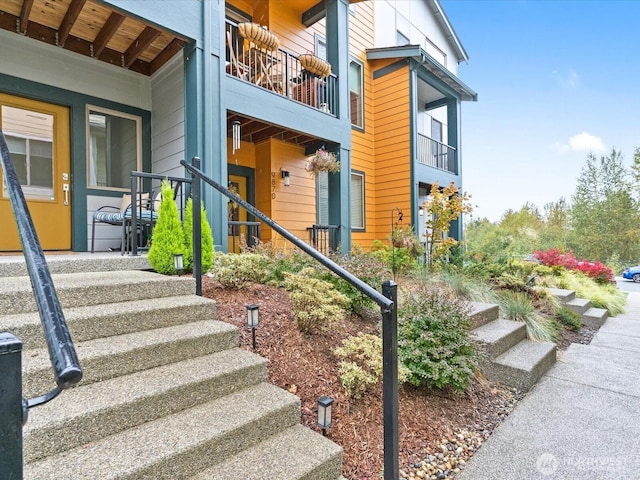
[(77, 102)]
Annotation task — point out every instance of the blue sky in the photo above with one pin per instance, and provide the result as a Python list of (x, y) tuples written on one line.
[(555, 80)]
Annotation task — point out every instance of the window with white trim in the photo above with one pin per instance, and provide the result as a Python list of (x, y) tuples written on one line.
[(322, 200), (114, 148), (357, 201), (356, 93)]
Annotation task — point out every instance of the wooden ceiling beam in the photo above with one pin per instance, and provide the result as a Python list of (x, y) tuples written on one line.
[(165, 55), (69, 19), (139, 45), (107, 31), (27, 5)]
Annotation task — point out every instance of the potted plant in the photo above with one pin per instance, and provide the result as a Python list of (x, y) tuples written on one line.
[(322, 161)]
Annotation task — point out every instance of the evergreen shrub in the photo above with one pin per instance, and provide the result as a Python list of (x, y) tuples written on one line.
[(206, 238), (167, 237)]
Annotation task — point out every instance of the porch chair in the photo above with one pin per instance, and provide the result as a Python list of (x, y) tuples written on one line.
[(146, 215)]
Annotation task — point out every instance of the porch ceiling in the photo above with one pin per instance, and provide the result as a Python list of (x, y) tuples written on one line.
[(256, 131), (94, 29)]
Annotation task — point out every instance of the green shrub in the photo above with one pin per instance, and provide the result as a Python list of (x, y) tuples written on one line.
[(167, 235), (314, 302), (602, 296), (519, 306), (206, 238), (397, 259), (569, 318), (361, 364), (433, 340), (238, 270)]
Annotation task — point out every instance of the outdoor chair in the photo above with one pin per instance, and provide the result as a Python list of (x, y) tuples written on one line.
[(146, 215)]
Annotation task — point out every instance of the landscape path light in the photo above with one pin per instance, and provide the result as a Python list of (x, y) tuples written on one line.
[(253, 320), (178, 262), (324, 413)]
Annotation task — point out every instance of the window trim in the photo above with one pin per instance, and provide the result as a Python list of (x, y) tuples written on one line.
[(317, 39), (116, 113), (360, 128), (363, 206)]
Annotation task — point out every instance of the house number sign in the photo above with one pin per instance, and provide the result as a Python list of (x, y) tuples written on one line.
[(273, 185)]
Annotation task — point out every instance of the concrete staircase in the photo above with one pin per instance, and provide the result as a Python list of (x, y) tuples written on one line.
[(510, 357), (591, 316), (166, 393)]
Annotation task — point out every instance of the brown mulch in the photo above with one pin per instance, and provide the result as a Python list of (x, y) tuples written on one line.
[(306, 366)]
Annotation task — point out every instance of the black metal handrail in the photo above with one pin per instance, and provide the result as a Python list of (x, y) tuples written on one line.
[(387, 301), (66, 367)]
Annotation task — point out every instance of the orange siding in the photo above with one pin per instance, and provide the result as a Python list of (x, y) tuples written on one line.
[(393, 148)]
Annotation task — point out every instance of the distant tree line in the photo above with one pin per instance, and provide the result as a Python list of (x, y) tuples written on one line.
[(600, 222)]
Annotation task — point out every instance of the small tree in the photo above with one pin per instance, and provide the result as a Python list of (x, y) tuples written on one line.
[(443, 207), (168, 238), (205, 235)]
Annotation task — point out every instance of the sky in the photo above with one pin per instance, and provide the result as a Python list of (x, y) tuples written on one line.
[(556, 80)]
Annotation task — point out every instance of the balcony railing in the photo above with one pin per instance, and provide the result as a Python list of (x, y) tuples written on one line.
[(324, 238), (279, 71), (437, 154)]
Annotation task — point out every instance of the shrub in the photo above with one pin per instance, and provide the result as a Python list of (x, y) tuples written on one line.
[(569, 318), (314, 302), (167, 235), (361, 364), (596, 270), (433, 340), (205, 234), (238, 270), (397, 259), (602, 296)]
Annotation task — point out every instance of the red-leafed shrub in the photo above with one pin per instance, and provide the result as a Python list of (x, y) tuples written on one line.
[(596, 270)]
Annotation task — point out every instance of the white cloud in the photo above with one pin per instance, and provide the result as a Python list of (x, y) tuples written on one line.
[(569, 79), (582, 142)]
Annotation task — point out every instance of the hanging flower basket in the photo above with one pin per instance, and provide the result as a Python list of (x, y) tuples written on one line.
[(259, 35), (315, 65), (322, 161)]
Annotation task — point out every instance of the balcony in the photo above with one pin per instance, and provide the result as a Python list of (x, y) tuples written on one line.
[(437, 154), (278, 71)]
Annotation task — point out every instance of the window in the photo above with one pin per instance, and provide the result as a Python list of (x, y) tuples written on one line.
[(321, 47), (114, 148), (322, 200), (29, 137), (357, 201), (401, 39), (356, 94)]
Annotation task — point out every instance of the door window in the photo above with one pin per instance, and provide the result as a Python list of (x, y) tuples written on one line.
[(29, 136)]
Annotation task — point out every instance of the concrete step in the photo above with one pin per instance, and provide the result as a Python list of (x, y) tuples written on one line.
[(595, 317), (483, 313), (94, 288), (90, 412), (499, 336), (15, 266), (309, 457), (579, 305), (522, 365), (561, 294), (95, 321), (179, 445), (111, 357)]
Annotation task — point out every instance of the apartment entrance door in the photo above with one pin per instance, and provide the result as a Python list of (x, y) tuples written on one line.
[(37, 134), (238, 185)]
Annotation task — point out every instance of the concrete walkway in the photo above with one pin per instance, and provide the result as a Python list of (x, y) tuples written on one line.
[(582, 421)]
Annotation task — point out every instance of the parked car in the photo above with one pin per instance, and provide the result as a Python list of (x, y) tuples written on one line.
[(632, 273)]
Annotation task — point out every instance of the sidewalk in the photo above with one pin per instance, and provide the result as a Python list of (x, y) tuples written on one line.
[(582, 420)]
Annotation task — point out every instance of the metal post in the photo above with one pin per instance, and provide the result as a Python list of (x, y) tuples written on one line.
[(11, 409), (134, 218), (197, 228), (390, 381)]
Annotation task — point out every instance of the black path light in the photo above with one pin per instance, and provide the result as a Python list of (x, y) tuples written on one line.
[(178, 262), (324, 413), (253, 320)]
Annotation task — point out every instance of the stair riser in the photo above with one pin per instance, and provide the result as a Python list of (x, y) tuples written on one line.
[(23, 301), (484, 316), (84, 328), (188, 463), (523, 380), (579, 309), (37, 444), (16, 267), (500, 346), (325, 471), (40, 380), (593, 321)]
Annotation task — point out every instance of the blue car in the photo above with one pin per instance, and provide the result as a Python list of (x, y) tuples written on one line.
[(632, 273)]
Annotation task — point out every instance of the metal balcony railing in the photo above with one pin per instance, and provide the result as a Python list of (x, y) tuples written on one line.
[(437, 154), (324, 238), (279, 71)]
